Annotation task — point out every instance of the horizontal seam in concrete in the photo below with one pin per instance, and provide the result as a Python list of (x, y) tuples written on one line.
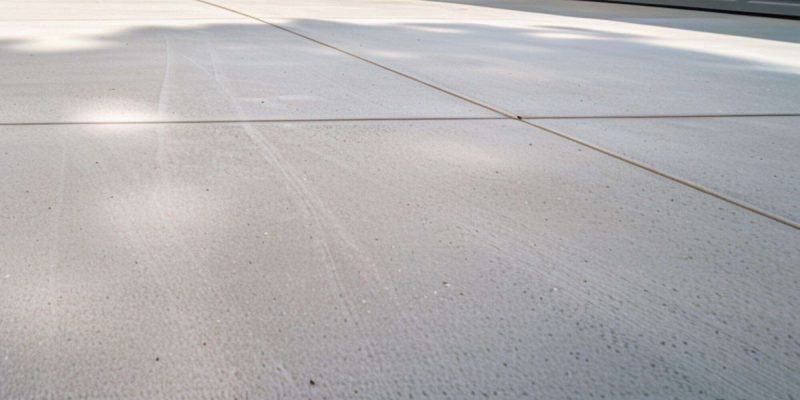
[(620, 157), (675, 116), (388, 119), (251, 121)]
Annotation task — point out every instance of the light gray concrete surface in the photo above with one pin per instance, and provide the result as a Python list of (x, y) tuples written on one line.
[(390, 259), (538, 64), (389, 255), (68, 71), (752, 159)]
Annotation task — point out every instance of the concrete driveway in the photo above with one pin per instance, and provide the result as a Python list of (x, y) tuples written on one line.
[(394, 199)]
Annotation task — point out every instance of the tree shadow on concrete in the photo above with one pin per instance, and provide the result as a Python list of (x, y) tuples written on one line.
[(246, 70), (551, 69)]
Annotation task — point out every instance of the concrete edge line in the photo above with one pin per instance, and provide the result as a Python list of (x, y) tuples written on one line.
[(649, 168), (738, 203), (366, 60), (665, 116), (249, 121)]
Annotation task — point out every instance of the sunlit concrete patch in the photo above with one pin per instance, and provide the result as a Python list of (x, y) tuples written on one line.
[(751, 159), (378, 260), (109, 291), (124, 71)]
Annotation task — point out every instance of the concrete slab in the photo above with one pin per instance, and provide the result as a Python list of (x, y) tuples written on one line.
[(554, 65), (393, 259), (377, 260), (750, 159), (60, 71)]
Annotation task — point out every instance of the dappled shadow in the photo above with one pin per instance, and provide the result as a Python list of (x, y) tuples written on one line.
[(191, 70), (551, 69), (165, 237)]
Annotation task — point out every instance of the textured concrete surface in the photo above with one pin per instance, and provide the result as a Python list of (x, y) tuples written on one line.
[(177, 222), (540, 64), (752, 159), (68, 71)]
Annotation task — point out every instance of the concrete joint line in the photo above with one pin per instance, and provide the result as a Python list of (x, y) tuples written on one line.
[(677, 116), (695, 186), (508, 115), (368, 61), (250, 121)]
